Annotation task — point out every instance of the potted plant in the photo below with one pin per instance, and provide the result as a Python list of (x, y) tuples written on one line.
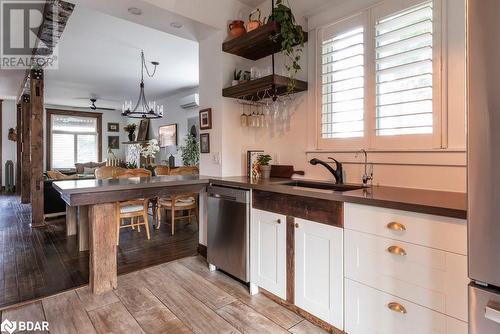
[(190, 151), (265, 168), (236, 77), (130, 128), (292, 39)]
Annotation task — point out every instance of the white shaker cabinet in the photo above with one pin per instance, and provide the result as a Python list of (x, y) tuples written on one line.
[(319, 270), (268, 251)]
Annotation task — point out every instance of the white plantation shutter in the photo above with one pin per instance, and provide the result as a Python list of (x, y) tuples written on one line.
[(404, 72), (342, 74), (74, 139)]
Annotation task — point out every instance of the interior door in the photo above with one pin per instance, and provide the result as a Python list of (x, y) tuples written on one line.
[(319, 270)]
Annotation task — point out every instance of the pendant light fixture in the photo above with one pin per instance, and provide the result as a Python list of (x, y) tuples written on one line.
[(143, 109)]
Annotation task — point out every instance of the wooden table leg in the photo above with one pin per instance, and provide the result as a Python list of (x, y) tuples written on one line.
[(102, 258), (83, 228), (71, 217)]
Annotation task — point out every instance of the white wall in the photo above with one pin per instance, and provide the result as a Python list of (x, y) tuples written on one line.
[(173, 114), (9, 148)]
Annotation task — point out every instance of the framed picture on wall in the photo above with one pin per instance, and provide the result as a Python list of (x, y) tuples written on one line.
[(167, 135), (113, 127), (205, 143), (114, 142), (143, 130), (206, 119)]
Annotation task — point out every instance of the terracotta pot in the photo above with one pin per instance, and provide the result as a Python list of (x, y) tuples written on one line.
[(237, 28)]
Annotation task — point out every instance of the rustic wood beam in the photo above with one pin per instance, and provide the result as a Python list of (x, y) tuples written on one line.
[(26, 149), (37, 92), (19, 150)]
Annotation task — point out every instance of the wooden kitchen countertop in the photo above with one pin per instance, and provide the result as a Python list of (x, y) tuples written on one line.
[(441, 203)]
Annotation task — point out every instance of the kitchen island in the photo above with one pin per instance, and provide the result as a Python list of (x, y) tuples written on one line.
[(97, 200)]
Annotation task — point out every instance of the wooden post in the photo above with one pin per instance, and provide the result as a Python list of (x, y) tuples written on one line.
[(103, 265), (36, 85), (71, 219), (1, 135), (83, 228), (26, 149), (19, 145)]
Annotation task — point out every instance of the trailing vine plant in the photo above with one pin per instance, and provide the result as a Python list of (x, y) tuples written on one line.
[(292, 39)]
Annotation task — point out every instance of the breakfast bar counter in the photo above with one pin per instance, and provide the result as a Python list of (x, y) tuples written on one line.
[(96, 200)]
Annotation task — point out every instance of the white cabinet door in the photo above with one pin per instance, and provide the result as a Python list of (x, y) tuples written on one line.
[(319, 271), (268, 234)]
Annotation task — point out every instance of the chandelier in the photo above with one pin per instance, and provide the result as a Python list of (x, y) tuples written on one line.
[(143, 108)]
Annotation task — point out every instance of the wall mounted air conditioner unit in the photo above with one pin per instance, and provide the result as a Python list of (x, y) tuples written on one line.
[(190, 101)]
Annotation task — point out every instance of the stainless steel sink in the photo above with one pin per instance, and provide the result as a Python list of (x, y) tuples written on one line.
[(324, 186)]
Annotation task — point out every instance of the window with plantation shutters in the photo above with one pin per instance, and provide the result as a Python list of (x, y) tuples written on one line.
[(343, 84), (380, 74), (404, 72), (74, 139)]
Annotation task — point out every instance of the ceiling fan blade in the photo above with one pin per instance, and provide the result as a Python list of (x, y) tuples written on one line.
[(99, 108)]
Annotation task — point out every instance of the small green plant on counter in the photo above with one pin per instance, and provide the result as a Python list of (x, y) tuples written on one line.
[(264, 159), (292, 39), (131, 165), (190, 151)]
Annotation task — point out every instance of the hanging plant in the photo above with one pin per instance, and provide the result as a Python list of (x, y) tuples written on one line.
[(292, 39)]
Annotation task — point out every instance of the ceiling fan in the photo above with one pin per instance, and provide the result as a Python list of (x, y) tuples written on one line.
[(94, 107)]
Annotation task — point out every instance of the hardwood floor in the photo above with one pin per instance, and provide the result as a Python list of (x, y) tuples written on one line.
[(177, 297), (40, 262)]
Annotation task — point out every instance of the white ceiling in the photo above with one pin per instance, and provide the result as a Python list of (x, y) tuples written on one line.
[(299, 7), (99, 55)]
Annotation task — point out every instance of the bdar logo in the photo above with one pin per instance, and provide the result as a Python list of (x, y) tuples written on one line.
[(8, 326)]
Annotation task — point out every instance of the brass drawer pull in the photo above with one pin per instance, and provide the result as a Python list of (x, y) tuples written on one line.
[(278, 221), (396, 250), (296, 225), (396, 307), (395, 226)]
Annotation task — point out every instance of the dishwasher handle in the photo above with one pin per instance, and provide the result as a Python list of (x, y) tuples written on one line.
[(224, 197)]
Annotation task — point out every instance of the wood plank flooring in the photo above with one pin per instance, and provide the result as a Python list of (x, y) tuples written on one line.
[(177, 297), (40, 262)]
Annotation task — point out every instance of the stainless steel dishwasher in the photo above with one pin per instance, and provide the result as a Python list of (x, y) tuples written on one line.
[(229, 230)]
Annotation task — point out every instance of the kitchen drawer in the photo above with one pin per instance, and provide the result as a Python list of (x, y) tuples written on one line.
[(367, 312), (444, 233), (425, 276)]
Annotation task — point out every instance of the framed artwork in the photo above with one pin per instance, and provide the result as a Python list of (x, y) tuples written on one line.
[(113, 127), (194, 127), (143, 130), (206, 119), (205, 143), (114, 142), (167, 135), (252, 156)]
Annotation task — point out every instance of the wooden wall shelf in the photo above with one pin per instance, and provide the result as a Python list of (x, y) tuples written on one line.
[(255, 44), (254, 89)]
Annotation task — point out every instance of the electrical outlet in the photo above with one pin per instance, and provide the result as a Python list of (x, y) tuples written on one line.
[(216, 158)]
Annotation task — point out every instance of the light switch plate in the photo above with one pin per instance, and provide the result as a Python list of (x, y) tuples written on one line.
[(216, 158)]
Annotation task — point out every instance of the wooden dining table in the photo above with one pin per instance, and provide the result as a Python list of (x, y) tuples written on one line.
[(96, 202)]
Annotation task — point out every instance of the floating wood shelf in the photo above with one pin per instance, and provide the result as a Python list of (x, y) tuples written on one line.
[(256, 89), (256, 44)]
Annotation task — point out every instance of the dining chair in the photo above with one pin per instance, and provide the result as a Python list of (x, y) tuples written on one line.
[(107, 172), (162, 170), (179, 202)]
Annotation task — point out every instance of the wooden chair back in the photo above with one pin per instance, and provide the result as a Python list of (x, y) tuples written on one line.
[(137, 172), (186, 170), (162, 170), (107, 172)]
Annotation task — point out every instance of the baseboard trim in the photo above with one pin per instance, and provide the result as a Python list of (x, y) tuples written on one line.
[(202, 250), (306, 315)]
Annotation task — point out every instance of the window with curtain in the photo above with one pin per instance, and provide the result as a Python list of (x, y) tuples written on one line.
[(74, 139), (378, 77)]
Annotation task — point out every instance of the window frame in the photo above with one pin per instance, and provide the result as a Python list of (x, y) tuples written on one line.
[(50, 112), (371, 140)]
